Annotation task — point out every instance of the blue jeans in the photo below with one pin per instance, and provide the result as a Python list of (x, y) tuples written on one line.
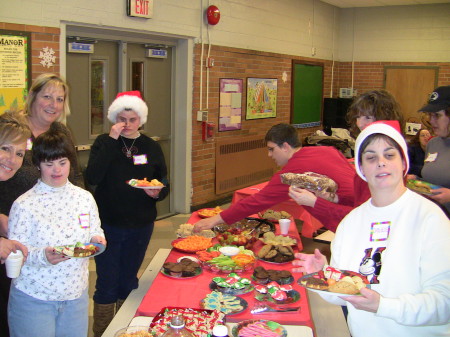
[(118, 266), (31, 317)]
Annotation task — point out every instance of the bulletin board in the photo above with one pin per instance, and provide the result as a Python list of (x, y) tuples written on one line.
[(230, 108), (15, 69), (307, 94)]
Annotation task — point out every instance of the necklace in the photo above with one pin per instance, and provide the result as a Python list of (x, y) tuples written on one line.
[(129, 151)]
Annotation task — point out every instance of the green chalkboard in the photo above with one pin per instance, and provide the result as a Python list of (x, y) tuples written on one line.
[(307, 94)]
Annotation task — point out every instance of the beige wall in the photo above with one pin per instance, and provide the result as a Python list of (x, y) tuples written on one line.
[(395, 33), (293, 27)]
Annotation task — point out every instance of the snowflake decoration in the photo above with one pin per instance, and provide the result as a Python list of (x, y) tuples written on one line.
[(47, 57)]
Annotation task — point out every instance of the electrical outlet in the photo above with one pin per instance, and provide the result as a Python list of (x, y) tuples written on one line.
[(83, 147), (313, 51), (202, 116)]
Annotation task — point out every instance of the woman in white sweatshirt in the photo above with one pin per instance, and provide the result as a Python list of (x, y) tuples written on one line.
[(398, 239)]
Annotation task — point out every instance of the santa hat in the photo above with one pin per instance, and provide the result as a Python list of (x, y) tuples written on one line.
[(388, 128), (128, 100)]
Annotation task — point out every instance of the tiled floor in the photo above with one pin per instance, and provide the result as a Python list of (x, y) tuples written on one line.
[(163, 235)]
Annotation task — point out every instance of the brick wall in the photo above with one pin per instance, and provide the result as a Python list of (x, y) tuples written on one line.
[(40, 37), (370, 75), (238, 63), (241, 63)]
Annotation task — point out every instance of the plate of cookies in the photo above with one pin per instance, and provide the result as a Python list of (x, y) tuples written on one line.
[(264, 276), (228, 304), (183, 269), (333, 281), (277, 254)]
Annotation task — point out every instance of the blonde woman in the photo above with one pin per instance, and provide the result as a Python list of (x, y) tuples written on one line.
[(47, 102), (14, 133)]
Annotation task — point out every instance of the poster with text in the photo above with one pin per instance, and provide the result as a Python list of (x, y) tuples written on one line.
[(14, 69), (230, 108)]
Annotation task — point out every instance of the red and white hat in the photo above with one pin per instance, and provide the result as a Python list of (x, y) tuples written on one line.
[(388, 128), (128, 100)]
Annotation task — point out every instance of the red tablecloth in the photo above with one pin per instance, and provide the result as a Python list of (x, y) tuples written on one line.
[(167, 291), (310, 223)]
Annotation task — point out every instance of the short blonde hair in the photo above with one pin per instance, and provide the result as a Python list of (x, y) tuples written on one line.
[(40, 83), (13, 128)]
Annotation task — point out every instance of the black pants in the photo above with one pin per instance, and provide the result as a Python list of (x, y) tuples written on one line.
[(5, 283)]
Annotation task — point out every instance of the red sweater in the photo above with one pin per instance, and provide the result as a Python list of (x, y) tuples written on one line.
[(331, 214), (319, 159)]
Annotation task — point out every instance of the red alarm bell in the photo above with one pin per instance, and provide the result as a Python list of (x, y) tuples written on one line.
[(213, 15)]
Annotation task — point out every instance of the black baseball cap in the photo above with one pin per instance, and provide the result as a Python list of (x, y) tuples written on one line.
[(439, 100)]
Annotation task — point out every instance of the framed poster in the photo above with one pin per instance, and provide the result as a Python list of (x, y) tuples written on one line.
[(15, 69), (230, 106), (261, 98)]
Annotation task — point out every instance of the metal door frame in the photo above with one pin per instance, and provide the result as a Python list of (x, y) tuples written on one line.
[(182, 78)]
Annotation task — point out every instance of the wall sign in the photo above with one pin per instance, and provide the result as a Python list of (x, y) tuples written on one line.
[(157, 53), (140, 8), (15, 69), (230, 108), (76, 47)]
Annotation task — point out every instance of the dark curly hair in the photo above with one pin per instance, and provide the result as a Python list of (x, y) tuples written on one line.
[(377, 103)]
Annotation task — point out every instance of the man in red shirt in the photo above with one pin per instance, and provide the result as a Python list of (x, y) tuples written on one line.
[(285, 149)]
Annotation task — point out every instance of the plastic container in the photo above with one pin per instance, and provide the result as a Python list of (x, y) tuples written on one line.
[(220, 331), (177, 329)]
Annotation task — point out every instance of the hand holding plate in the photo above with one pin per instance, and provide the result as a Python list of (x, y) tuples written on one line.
[(54, 257), (441, 195), (153, 193), (99, 239), (368, 301)]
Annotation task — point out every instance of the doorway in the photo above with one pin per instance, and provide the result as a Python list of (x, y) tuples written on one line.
[(114, 66), (411, 87)]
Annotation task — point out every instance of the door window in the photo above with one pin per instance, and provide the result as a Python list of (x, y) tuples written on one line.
[(98, 96)]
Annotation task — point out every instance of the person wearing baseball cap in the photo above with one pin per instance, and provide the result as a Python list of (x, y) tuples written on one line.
[(127, 213), (398, 240), (436, 169)]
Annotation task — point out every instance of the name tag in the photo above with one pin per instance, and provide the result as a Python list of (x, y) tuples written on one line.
[(84, 220), (140, 159), (431, 157), (380, 231)]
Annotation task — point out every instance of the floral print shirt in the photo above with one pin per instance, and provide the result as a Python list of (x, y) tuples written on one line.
[(48, 216)]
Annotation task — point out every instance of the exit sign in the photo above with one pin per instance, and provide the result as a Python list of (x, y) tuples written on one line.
[(140, 8)]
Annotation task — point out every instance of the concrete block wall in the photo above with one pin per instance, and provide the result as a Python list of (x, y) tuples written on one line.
[(418, 33)]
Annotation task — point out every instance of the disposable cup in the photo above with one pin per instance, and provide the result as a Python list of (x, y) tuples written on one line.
[(284, 226), (13, 264)]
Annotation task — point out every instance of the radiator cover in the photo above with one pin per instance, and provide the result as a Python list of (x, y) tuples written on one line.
[(241, 163)]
